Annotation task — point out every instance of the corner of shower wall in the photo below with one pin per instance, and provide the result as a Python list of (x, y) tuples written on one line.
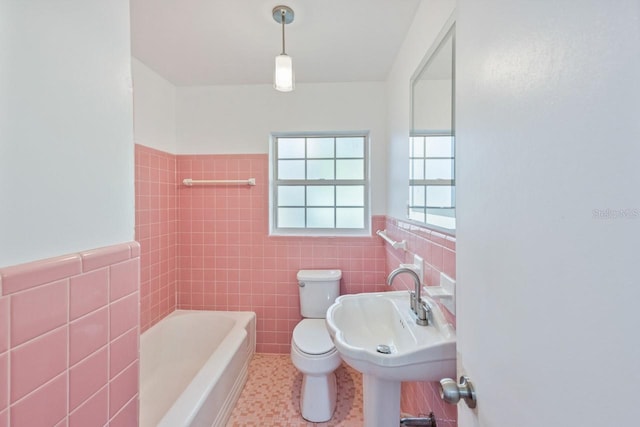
[(156, 231)]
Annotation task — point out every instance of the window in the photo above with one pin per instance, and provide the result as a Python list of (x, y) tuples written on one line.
[(320, 184), (432, 191)]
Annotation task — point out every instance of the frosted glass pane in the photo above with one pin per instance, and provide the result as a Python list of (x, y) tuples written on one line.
[(291, 148), (350, 147), (417, 214), (352, 195), (349, 218), (440, 196), (321, 195), (439, 146), (290, 169), (417, 146), (320, 218), (438, 169), (442, 218), (320, 148), (291, 195), (417, 169), (319, 169), (417, 195), (291, 217), (350, 169)]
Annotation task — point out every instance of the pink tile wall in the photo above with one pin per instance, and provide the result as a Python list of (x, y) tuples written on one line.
[(62, 361), (438, 252), (227, 261), (156, 230)]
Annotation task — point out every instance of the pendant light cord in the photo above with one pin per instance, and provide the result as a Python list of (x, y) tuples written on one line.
[(283, 14)]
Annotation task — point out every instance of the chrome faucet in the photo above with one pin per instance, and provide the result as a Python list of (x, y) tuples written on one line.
[(419, 307)]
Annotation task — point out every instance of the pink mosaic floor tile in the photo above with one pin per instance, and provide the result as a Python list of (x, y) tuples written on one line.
[(271, 396)]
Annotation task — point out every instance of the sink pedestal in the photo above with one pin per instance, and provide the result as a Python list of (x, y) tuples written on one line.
[(381, 400)]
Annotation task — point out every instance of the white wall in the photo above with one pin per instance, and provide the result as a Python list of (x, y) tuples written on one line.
[(548, 133), (66, 144), (154, 109), (239, 119), (427, 23)]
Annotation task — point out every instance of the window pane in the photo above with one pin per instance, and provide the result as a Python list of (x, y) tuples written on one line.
[(350, 147), (417, 214), (352, 195), (438, 169), (290, 169), (320, 195), (442, 217), (320, 218), (350, 169), (439, 146), (319, 169), (350, 218), (319, 147), (417, 195), (417, 169), (291, 217), (290, 195), (290, 148), (417, 146), (440, 196)]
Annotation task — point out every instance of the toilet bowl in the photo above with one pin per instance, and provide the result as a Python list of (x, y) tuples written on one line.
[(312, 350), (313, 354)]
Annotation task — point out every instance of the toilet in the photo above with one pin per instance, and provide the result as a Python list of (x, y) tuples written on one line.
[(312, 351)]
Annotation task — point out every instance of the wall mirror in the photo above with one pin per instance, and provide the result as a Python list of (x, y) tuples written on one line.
[(432, 199)]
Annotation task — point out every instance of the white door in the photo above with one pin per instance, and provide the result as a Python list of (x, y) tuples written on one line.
[(548, 243)]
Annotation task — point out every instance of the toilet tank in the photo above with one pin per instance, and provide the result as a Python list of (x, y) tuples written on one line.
[(318, 290)]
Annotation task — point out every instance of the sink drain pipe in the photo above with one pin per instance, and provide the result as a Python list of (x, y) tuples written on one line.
[(429, 421)]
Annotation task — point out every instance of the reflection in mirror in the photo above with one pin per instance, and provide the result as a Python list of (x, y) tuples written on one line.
[(432, 137)]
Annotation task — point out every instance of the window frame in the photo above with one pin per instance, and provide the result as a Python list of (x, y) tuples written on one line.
[(275, 183), (425, 182)]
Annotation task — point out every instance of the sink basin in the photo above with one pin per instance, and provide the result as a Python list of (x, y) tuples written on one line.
[(377, 334), (359, 323)]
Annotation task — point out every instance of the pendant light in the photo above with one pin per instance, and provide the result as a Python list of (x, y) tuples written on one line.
[(283, 79)]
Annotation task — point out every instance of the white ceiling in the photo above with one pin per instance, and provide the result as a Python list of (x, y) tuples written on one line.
[(214, 42)]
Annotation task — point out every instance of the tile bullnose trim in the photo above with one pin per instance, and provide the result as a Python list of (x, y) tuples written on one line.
[(21, 277), (102, 257)]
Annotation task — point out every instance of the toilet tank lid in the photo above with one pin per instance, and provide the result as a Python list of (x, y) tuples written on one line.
[(319, 275)]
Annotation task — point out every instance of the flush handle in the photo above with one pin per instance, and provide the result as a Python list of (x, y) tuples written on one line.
[(451, 392), (301, 284)]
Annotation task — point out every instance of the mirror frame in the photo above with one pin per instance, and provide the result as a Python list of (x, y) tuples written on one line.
[(448, 30)]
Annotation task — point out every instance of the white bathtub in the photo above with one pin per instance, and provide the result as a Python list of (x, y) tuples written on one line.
[(193, 365)]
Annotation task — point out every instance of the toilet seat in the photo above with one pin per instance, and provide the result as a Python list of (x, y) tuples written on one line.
[(311, 337)]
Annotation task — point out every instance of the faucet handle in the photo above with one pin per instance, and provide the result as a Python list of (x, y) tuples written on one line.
[(423, 312)]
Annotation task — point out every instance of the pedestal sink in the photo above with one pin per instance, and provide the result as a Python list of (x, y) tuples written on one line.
[(377, 334)]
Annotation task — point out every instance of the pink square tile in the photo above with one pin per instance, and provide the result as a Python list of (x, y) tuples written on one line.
[(123, 388), (37, 311), (93, 412), (37, 362), (124, 315), (102, 257), (88, 292), (4, 418), (4, 324), (127, 417), (124, 278), (87, 335), (25, 276), (87, 377), (4, 380), (123, 352), (45, 407)]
